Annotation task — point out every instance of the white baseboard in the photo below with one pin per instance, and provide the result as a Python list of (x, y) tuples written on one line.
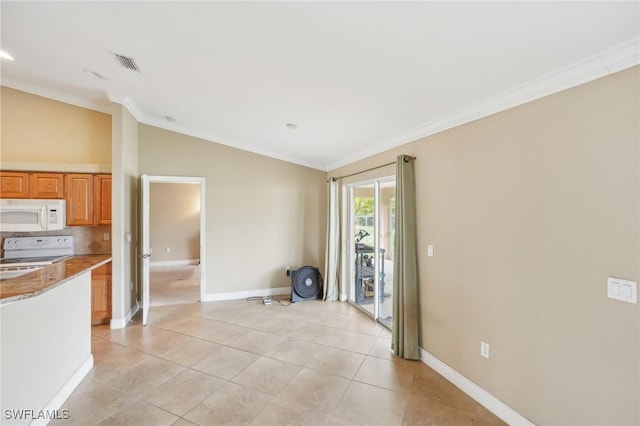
[(65, 391), (244, 294), (122, 322), (483, 397), (175, 262)]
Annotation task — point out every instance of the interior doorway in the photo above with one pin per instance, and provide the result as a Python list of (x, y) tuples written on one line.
[(192, 207), (174, 238)]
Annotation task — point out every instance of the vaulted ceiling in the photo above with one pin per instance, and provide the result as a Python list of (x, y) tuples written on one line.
[(354, 78)]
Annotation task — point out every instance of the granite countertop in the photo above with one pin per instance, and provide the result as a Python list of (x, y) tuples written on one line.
[(49, 277)]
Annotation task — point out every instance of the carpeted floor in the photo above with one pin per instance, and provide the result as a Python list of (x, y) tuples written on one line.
[(174, 285)]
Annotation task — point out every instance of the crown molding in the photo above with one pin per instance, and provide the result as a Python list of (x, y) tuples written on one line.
[(232, 144), (57, 96), (133, 108), (128, 103), (609, 61), (622, 56)]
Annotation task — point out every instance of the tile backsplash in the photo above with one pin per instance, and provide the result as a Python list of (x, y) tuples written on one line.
[(88, 239)]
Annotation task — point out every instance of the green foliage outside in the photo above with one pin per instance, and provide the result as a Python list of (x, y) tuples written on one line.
[(364, 206)]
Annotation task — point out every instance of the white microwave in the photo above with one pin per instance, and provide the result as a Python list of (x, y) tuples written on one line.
[(17, 215)]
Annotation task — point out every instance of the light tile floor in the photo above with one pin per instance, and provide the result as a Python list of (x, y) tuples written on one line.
[(245, 363)]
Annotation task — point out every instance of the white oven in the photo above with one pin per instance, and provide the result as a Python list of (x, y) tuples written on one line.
[(27, 254), (17, 215)]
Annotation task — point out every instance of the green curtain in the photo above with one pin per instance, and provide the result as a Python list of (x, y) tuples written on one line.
[(404, 341)]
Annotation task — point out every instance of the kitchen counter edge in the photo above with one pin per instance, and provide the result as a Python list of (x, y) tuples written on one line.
[(35, 283)]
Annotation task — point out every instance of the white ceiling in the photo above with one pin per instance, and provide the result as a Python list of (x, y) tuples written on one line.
[(356, 78)]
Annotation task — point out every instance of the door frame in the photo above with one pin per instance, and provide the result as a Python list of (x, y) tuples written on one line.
[(349, 195), (146, 181)]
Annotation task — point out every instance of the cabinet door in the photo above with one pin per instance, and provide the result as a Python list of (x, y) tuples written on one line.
[(47, 185), (79, 196), (102, 200), (14, 185), (101, 294), (100, 299)]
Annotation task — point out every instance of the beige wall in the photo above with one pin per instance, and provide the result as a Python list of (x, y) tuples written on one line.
[(174, 221), (261, 214), (126, 280), (529, 211), (41, 130)]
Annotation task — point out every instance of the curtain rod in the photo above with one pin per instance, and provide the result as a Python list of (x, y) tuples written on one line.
[(406, 158)]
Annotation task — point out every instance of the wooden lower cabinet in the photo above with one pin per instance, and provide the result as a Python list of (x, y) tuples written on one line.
[(101, 294)]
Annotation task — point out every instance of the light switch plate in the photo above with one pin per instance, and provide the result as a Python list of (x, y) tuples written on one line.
[(484, 350), (623, 290), (430, 250)]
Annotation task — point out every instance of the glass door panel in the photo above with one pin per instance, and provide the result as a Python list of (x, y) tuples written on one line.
[(372, 226), (387, 229), (364, 221)]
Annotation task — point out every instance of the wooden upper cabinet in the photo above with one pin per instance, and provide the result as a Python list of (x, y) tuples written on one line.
[(14, 185), (88, 195), (79, 195), (102, 199), (47, 185)]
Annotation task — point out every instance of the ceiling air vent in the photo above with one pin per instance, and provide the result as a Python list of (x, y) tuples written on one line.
[(126, 62)]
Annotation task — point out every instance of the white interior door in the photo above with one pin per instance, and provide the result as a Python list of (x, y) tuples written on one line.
[(145, 249)]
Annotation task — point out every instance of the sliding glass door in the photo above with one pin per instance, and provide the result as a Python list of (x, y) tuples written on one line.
[(372, 229)]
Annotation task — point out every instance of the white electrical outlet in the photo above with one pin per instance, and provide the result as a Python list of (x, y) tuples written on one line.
[(106, 236), (484, 350), (168, 249)]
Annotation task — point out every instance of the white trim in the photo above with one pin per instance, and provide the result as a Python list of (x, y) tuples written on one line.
[(66, 390), (194, 180), (609, 61), (57, 167), (127, 102), (174, 262), (163, 124), (122, 322), (57, 96), (490, 402), (232, 295), (133, 108), (617, 58), (624, 55)]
